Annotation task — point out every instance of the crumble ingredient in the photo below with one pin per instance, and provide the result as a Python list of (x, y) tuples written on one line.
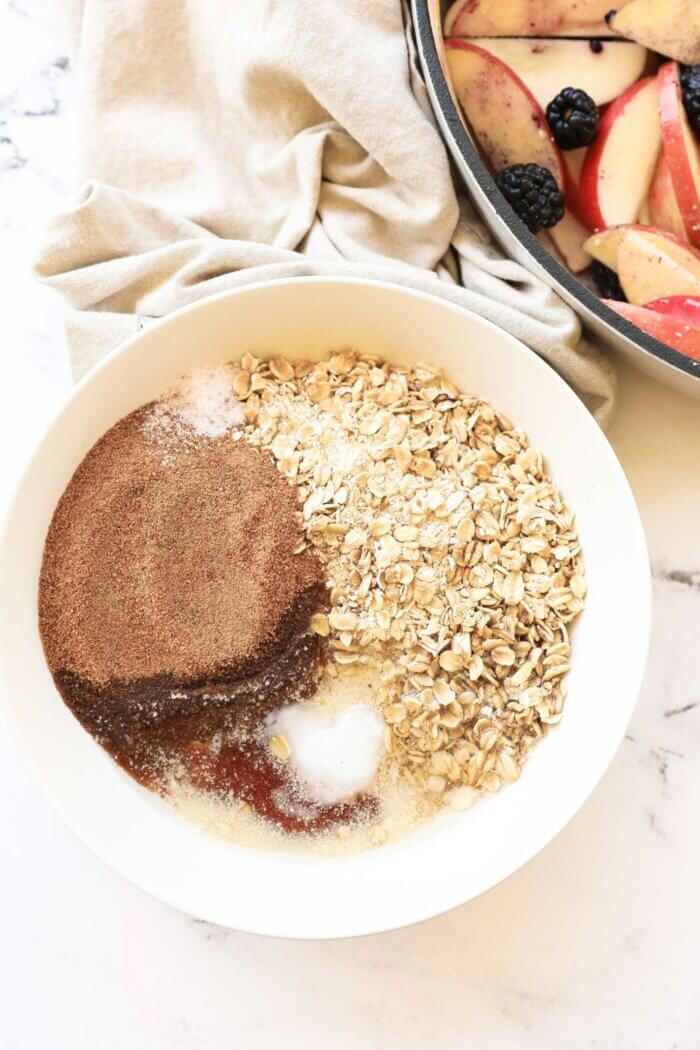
[(453, 561)]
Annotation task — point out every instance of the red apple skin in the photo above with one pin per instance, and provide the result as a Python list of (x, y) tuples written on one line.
[(678, 335), (604, 236), (663, 206), (672, 114), (588, 204), (538, 116), (682, 308), (572, 191)]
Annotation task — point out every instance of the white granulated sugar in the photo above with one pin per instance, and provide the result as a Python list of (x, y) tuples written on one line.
[(336, 742), (205, 400), (335, 754)]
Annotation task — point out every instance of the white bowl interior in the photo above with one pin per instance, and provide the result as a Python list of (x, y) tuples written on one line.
[(447, 861)]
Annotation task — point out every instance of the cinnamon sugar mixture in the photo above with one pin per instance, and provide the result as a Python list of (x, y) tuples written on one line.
[(175, 600), (180, 565)]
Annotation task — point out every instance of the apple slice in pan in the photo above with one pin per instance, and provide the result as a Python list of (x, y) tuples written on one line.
[(654, 267), (682, 337), (569, 236), (620, 164), (507, 121), (604, 246), (645, 214), (682, 308), (573, 161), (681, 149), (476, 18), (572, 255), (664, 212), (549, 245), (546, 67), (671, 27)]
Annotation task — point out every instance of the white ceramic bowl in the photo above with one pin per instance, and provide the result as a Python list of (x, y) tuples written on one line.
[(445, 862)]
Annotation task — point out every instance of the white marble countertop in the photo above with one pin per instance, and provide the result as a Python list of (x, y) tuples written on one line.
[(593, 944)]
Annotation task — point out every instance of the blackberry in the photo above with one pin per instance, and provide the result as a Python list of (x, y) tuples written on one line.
[(690, 85), (533, 194), (607, 282), (573, 119)]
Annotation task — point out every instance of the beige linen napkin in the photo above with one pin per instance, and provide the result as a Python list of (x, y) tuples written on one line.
[(229, 143)]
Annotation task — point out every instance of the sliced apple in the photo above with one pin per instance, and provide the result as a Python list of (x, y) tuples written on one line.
[(505, 118), (573, 166), (645, 214), (574, 160), (620, 164), (652, 267), (664, 212), (569, 236), (682, 337), (547, 243), (605, 246), (681, 149), (681, 308), (546, 67), (478, 18), (671, 27)]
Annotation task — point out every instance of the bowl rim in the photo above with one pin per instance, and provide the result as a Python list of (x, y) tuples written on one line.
[(543, 835), (451, 116)]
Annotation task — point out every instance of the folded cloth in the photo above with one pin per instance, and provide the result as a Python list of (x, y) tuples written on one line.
[(226, 144)]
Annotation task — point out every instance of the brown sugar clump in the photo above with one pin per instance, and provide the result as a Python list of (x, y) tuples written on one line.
[(174, 586)]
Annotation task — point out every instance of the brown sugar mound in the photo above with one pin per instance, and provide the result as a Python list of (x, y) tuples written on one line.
[(173, 584)]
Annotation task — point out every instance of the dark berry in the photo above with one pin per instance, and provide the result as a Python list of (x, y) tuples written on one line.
[(573, 119), (607, 282), (596, 46), (690, 85), (533, 194)]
